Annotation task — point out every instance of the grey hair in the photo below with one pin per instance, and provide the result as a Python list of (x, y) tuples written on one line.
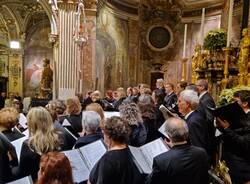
[(176, 129), (191, 97), (90, 121), (192, 87), (145, 98), (131, 113), (160, 80), (203, 82)]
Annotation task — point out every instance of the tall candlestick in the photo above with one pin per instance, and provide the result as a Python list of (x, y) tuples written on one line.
[(184, 42), (230, 21), (202, 26), (80, 90)]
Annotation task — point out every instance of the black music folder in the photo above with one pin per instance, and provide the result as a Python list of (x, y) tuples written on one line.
[(233, 113)]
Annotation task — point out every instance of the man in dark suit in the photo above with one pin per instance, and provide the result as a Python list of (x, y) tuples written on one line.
[(206, 101), (170, 99), (160, 85), (198, 128), (183, 163)]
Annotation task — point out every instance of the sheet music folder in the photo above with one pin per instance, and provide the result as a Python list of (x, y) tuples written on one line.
[(83, 159), (233, 113), (143, 156), (25, 180), (166, 112)]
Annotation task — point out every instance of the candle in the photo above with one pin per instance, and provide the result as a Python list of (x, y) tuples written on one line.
[(202, 26), (185, 41), (229, 26), (80, 86)]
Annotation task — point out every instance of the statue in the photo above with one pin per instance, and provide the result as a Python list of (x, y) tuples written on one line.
[(196, 62), (46, 80), (244, 57)]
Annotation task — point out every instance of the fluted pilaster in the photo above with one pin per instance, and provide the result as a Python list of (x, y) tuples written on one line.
[(67, 66)]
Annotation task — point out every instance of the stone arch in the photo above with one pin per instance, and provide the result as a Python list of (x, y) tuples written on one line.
[(4, 30), (53, 16), (8, 15)]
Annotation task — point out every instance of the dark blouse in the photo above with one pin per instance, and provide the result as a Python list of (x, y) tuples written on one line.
[(5, 162), (116, 167), (12, 136), (82, 141), (29, 162), (236, 151), (75, 121)]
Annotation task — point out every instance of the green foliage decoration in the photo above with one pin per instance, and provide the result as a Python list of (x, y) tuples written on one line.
[(215, 40), (226, 95)]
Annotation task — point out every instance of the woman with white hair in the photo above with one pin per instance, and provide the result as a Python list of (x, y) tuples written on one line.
[(188, 102), (90, 128)]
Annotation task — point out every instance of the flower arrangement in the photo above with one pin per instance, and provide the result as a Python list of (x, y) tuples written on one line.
[(215, 40), (226, 95)]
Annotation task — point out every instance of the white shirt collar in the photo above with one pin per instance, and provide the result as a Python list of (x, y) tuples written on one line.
[(247, 111), (187, 115), (202, 94)]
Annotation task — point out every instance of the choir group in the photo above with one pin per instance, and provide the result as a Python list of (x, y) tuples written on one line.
[(35, 143)]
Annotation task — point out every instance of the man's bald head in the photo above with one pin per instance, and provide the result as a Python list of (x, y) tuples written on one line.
[(176, 129)]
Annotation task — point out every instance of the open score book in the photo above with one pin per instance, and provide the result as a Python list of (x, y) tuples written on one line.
[(82, 160), (144, 155)]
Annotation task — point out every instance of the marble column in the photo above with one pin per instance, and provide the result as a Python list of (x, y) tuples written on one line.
[(68, 61), (88, 62)]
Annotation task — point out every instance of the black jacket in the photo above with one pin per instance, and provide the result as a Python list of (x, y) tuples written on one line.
[(198, 130), (206, 101), (5, 163), (170, 101), (82, 141), (236, 151), (181, 164)]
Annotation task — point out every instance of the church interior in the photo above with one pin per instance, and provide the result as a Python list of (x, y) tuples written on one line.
[(117, 76), (108, 44)]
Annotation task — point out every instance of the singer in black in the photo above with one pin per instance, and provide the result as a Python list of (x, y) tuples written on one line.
[(116, 166), (183, 163)]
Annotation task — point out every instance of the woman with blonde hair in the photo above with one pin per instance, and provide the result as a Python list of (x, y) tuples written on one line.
[(43, 138), (121, 97), (74, 115), (8, 120), (97, 108)]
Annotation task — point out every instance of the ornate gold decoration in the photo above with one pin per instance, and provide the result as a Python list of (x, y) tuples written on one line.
[(221, 170), (227, 51), (184, 69), (196, 62), (244, 57)]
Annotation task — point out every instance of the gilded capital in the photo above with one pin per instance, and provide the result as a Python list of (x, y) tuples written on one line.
[(53, 38)]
